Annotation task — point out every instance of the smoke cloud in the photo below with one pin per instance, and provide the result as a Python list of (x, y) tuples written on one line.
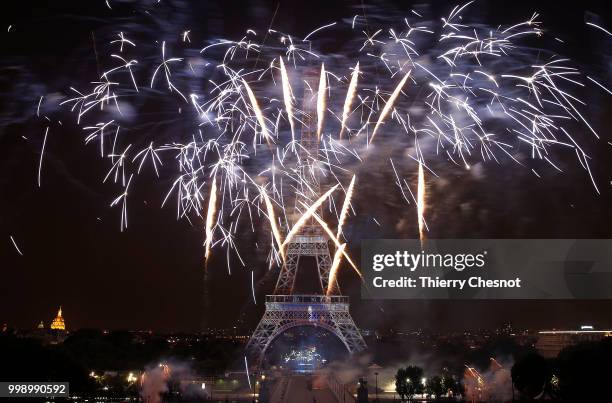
[(170, 376)]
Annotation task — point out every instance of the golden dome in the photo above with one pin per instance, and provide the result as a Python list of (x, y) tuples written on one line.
[(58, 322)]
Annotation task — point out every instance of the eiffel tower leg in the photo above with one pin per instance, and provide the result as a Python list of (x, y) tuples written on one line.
[(344, 324), (286, 278), (263, 334)]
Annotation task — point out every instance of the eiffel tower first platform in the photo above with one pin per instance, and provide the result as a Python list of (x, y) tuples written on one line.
[(285, 309)]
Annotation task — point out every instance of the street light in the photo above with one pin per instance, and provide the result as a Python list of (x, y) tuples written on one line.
[(376, 386), (424, 383)]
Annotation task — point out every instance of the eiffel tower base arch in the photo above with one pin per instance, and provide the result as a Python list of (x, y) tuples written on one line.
[(284, 312)]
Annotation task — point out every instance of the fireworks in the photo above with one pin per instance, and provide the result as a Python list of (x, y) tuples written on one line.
[(321, 102), (15, 245), (334, 268), (336, 242), (345, 207), (350, 96), (307, 215), (257, 111), (421, 201), (272, 220), (476, 94), (287, 96), (389, 104), (42, 153), (210, 218)]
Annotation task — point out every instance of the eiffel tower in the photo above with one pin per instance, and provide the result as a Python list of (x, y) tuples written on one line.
[(284, 309)]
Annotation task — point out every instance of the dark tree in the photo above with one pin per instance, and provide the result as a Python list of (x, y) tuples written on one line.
[(452, 385), (415, 383), (408, 382), (435, 386), (531, 376), (29, 359), (401, 383), (584, 372)]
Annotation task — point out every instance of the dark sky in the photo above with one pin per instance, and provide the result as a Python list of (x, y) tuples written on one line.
[(150, 277)]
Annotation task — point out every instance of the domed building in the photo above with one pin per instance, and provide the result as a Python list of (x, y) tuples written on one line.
[(58, 328), (55, 333), (58, 323)]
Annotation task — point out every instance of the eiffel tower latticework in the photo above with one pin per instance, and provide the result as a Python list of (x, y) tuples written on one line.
[(310, 241), (285, 309)]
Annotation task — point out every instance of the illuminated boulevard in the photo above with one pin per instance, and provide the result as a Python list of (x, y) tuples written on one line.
[(299, 388)]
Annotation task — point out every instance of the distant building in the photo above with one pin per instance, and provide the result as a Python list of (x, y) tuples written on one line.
[(58, 322), (551, 342), (54, 334), (39, 333), (58, 330)]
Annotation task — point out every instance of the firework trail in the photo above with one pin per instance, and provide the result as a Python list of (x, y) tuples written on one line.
[(307, 215), (389, 104), (210, 218), (321, 102), (477, 94), (42, 153), (15, 245), (272, 219), (246, 367), (287, 96), (599, 27), (336, 242), (345, 207), (421, 202), (253, 287), (350, 96), (257, 110), (334, 269)]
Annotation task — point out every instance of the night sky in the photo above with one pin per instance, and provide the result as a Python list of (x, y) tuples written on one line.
[(150, 276)]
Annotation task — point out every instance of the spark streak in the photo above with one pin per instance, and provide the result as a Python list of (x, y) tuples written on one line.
[(599, 27), (246, 367), (15, 245), (421, 202), (311, 210), (345, 207), (350, 96), (287, 95), (334, 269), (272, 219), (389, 104), (210, 218), (42, 154), (321, 102), (253, 286), (336, 242), (600, 85), (257, 110)]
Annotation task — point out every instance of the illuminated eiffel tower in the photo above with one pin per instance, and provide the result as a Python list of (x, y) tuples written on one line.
[(284, 309)]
